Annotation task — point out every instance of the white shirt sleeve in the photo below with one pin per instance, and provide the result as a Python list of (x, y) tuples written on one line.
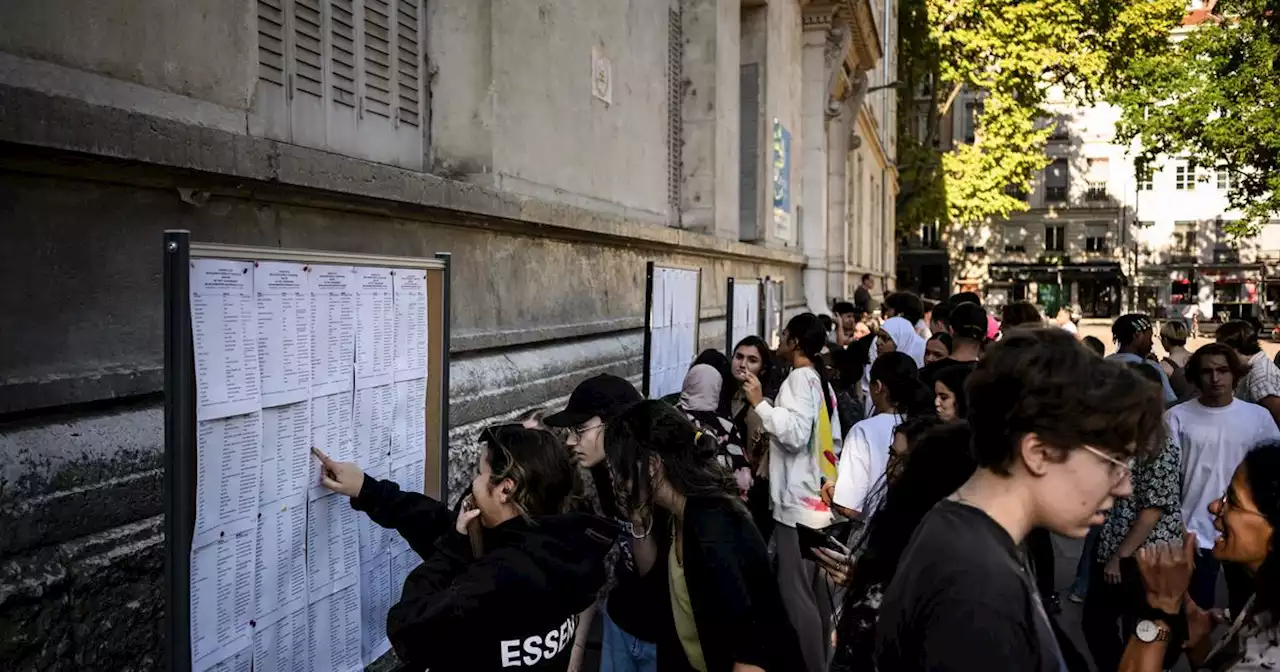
[(790, 422), (853, 473)]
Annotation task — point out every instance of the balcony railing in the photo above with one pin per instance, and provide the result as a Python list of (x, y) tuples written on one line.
[(1226, 255), (1096, 191), (1055, 194)]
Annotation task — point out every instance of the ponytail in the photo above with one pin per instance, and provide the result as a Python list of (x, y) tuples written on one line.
[(811, 337), (898, 373)]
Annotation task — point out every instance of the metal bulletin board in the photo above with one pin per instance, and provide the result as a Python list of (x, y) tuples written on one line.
[(269, 352), (745, 306), (673, 306)]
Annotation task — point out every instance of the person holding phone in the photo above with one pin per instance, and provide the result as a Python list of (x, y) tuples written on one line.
[(725, 610), (504, 579)]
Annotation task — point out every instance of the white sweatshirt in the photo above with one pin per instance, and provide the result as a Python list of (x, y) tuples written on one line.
[(795, 476)]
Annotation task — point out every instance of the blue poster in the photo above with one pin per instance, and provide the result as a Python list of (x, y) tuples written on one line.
[(781, 180)]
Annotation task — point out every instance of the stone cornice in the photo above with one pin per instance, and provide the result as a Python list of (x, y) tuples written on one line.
[(866, 48)]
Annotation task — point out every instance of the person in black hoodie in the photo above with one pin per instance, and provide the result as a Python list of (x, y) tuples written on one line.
[(504, 579), (725, 611)]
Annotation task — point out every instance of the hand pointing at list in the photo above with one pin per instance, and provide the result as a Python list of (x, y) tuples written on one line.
[(341, 477)]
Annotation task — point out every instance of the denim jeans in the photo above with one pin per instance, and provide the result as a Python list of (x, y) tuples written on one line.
[(620, 652), (1080, 587)]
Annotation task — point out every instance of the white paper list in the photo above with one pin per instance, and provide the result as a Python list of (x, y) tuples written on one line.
[(375, 327), (280, 575), (221, 592), (411, 477), (238, 661), (374, 538), (402, 564), (284, 331), (286, 451), (375, 601), (282, 640), (373, 427), (409, 421), (225, 338), (331, 431), (333, 333), (227, 470), (333, 542), (411, 323), (335, 629)]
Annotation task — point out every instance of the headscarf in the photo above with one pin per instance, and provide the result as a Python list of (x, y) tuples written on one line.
[(701, 391), (905, 338)]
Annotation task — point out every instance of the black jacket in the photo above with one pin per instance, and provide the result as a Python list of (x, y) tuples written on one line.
[(516, 606), (737, 606)]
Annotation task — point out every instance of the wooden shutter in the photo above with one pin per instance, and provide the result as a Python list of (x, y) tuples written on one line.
[(675, 113), (343, 76), (749, 152)]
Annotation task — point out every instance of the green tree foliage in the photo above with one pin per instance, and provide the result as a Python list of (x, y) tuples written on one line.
[(1214, 98), (1014, 52)]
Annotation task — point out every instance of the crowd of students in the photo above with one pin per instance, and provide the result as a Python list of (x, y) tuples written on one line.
[(873, 494)]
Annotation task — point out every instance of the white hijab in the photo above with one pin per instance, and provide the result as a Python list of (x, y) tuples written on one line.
[(905, 340)]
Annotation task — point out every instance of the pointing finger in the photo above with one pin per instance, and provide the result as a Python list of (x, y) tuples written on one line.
[(324, 459)]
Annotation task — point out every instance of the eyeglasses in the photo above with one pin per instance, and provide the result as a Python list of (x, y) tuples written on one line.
[(1118, 470), (578, 432), (1225, 504)]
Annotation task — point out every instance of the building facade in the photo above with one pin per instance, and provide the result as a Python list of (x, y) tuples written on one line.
[(1068, 247), (552, 147)]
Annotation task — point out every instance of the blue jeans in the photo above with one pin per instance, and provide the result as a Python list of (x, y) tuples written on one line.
[(623, 653), (1080, 587)]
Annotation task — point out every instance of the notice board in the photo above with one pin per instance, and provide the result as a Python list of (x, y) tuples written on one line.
[(742, 315), (270, 352), (672, 307)]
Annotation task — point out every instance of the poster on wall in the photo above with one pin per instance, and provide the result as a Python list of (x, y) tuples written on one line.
[(671, 342), (781, 180)]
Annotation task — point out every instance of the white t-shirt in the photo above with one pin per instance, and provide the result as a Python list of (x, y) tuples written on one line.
[(863, 461), (1213, 442)]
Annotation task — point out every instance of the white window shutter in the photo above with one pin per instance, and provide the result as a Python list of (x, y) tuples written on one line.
[(342, 76), (269, 117)]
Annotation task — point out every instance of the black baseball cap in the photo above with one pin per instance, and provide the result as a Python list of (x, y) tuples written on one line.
[(1127, 326), (604, 395), (969, 320)]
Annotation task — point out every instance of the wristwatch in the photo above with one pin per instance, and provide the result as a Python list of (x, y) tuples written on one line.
[(1150, 631)]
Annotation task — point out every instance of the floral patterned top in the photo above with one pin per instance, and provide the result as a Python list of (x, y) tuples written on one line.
[(1157, 484)]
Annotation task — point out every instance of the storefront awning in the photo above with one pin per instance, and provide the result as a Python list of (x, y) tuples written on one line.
[(1010, 272)]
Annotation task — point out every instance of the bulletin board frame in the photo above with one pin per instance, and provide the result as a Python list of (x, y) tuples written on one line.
[(180, 459), (729, 306), (648, 317), (772, 311)]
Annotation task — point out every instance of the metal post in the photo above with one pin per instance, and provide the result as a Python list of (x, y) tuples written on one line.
[(179, 431), (648, 329), (728, 320), (447, 258)]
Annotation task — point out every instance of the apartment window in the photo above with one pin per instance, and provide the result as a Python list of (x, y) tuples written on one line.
[(1055, 238), (975, 249), (1060, 131), (929, 236), (343, 77), (1016, 192), (1146, 178), (1056, 178), (972, 111), (1223, 178), (1013, 239), (1184, 178), (1099, 174), (1184, 241), (1096, 238)]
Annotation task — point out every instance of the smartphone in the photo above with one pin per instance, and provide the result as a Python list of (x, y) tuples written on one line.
[(827, 537)]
